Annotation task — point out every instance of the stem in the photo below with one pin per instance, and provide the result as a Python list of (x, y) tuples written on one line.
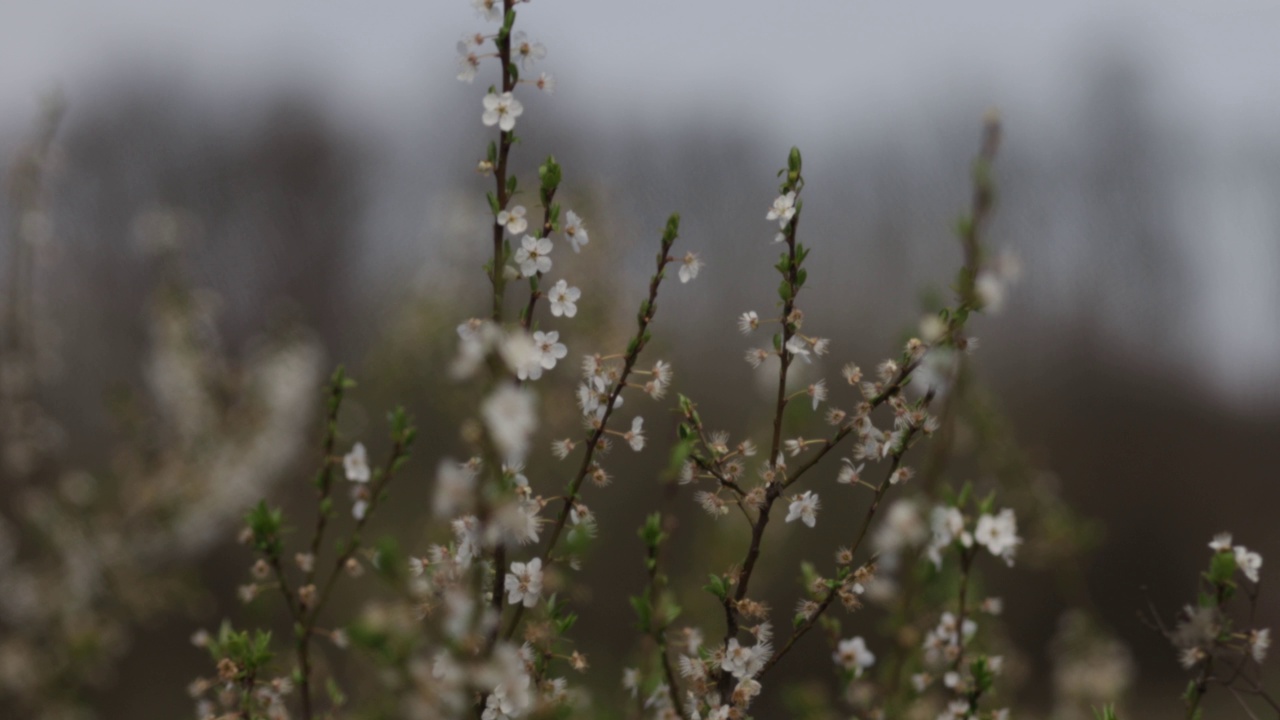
[(633, 353)]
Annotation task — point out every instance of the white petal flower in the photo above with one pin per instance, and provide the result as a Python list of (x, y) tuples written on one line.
[(564, 299), (1249, 562), (524, 583), (635, 437), (798, 346), (748, 321), (501, 110), (804, 508), (689, 267), (514, 219), (526, 52), (783, 209), (575, 231), (1259, 643), (852, 654), (545, 83), (999, 534), (534, 255), (509, 415), (1221, 542), (356, 464), (550, 348), (489, 10), (818, 391), (468, 62)]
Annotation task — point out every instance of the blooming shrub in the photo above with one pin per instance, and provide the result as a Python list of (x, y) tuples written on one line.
[(481, 621)]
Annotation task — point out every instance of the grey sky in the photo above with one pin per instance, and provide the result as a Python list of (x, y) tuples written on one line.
[(784, 69)]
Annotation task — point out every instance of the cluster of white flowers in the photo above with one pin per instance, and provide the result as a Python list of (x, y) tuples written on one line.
[(1249, 562), (997, 533)]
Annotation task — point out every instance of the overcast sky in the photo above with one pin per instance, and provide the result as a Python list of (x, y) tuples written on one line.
[(1215, 60), (783, 69)]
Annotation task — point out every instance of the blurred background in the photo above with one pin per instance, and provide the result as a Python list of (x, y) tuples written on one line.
[(239, 196)]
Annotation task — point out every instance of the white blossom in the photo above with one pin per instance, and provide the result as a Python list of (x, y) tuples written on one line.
[(501, 110), (999, 534), (525, 51), (575, 231), (356, 464), (783, 209), (849, 473), (524, 583), (468, 62), (508, 414), (564, 299), (514, 219), (534, 255), (852, 654), (1259, 643), (748, 321), (1249, 562), (550, 349), (635, 436), (818, 391), (489, 10), (804, 508), (689, 267), (798, 346)]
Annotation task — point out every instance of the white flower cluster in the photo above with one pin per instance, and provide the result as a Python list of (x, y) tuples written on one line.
[(997, 533), (1249, 562)]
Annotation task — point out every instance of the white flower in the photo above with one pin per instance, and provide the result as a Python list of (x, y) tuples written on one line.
[(990, 290), (545, 83), (818, 391), (784, 208), (635, 437), (514, 219), (757, 356), (508, 413), (689, 267), (804, 508), (356, 464), (564, 299), (852, 654), (468, 62), (489, 10), (1221, 542), (748, 321), (550, 349), (501, 110), (849, 472), (1259, 642), (593, 396), (524, 583), (999, 534), (631, 680), (744, 662), (575, 231), (798, 346), (533, 255), (1249, 562), (527, 53), (359, 501)]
